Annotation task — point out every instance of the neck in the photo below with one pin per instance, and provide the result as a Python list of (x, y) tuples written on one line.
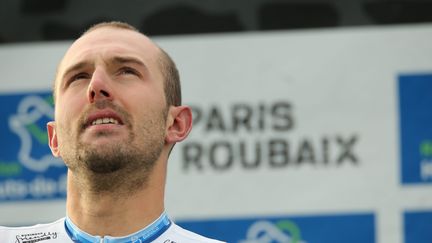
[(115, 213)]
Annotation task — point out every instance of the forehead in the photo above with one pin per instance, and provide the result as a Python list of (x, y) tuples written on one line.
[(106, 42)]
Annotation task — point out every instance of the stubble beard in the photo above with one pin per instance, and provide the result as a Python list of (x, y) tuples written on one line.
[(121, 167)]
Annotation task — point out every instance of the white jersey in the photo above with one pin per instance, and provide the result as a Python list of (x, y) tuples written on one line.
[(162, 230)]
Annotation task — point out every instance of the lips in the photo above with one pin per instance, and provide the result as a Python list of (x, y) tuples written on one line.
[(102, 117), (105, 120)]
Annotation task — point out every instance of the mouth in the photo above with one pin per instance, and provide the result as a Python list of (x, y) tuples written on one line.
[(105, 120), (103, 117)]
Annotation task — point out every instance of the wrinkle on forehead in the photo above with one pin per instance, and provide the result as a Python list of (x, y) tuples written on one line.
[(108, 41)]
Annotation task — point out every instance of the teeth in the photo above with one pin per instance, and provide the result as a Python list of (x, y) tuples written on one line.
[(105, 120)]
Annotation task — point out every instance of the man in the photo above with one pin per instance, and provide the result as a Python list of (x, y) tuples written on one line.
[(118, 114)]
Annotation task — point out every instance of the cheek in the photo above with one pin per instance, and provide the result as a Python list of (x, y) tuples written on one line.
[(145, 100), (68, 110), (148, 114)]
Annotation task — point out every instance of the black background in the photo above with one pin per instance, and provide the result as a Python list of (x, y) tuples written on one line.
[(42, 20)]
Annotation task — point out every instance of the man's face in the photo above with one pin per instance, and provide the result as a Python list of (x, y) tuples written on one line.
[(110, 111)]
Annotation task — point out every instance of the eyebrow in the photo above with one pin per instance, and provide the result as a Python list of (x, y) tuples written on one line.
[(74, 67), (115, 59), (121, 60)]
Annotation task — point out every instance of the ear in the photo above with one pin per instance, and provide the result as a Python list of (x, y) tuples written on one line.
[(179, 124), (52, 138)]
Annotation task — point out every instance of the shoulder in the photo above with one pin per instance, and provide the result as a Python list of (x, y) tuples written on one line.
[(51, 231), (183, 235), (54, 224)]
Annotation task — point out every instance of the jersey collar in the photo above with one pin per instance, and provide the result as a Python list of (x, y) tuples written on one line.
[(148, 234)]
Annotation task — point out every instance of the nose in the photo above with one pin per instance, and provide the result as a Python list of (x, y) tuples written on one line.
[(99, 86)]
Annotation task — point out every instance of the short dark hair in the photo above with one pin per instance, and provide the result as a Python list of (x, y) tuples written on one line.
[(168, 68)]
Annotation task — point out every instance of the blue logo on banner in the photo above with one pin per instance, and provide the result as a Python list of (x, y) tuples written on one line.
[(418, 227), (415, 102), (357, 228), (27, 168)]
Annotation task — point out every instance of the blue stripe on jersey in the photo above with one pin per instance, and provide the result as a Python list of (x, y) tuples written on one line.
[(148, 234)]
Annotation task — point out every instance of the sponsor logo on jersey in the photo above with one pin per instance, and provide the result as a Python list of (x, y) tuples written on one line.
[(27, 168), (415, 102), (35, 237)]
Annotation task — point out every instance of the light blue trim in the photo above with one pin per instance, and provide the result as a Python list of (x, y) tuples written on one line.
[(148, 234)]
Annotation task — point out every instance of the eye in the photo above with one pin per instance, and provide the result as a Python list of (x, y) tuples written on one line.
[(79, 76), (128, 71)]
